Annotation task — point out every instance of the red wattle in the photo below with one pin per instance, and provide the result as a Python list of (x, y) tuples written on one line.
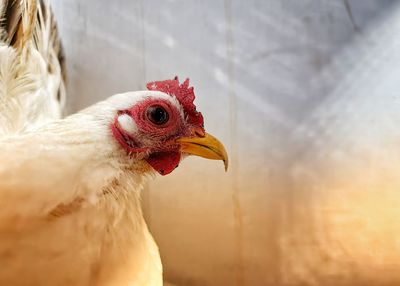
[(164, 162)]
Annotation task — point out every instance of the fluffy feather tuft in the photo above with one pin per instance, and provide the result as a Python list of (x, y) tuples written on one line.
[(31, 66)]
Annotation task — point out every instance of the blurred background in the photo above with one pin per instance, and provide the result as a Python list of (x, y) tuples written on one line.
[(305, 94)]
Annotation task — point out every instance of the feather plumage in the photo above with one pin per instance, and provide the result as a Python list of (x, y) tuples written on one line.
[(70, 205), (69, 214), (31, 66), (70, 188)]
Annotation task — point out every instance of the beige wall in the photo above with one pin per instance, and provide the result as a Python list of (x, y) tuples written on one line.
[(305, 95)]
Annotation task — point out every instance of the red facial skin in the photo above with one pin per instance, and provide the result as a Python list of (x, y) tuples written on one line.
[(162, 153), (184, 94)]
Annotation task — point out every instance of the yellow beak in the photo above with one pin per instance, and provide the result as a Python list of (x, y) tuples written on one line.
[(206, 146)]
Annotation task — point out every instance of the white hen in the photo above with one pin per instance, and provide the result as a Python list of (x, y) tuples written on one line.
[(70, 209)]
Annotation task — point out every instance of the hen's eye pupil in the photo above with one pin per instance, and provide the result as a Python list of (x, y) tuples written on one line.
[(157, 114)]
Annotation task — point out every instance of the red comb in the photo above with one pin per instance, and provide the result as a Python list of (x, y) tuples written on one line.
[(184, 94)]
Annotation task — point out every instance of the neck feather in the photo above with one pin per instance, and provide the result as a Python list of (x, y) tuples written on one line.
[(71, 160)]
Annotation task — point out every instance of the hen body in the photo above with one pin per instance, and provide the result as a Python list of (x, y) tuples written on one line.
[(69, 216), (70, 209)]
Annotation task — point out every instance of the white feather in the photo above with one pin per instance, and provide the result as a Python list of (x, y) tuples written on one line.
[(31, 86), (69, 195), (70, 192)]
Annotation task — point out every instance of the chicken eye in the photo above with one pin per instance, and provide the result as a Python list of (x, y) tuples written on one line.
[(157, 114)]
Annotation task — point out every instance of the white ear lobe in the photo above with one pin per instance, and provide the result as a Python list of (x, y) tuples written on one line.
[(126, 122)]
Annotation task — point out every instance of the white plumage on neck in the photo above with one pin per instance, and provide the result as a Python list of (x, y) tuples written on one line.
[(71, 180)]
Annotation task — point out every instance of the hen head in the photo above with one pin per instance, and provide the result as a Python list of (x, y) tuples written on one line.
[(163, 126)]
